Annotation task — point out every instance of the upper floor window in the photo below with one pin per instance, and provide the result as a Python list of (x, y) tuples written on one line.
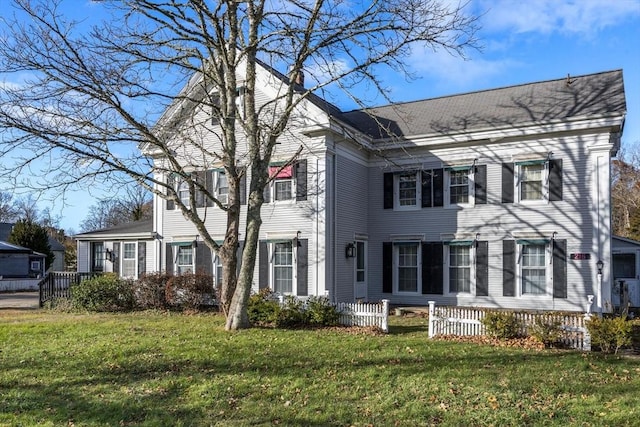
[(222, 187), (183, 193), (532, 181), (288, 182), (458, 187), (407, 189)]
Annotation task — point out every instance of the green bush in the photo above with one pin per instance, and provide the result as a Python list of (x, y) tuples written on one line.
[(609, 333), (263, 308), (149, 291), (549, 332), (501, 324), (190, 291), (320, 311), (103, 293), (293, 314)]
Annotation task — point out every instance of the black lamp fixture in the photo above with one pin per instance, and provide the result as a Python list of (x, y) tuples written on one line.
[(350, 250), (600, 266), (109, 255)]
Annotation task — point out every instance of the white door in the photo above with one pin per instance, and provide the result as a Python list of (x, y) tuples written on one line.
[(360, 272)]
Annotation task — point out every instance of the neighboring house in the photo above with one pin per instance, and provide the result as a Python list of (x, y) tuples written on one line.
[(17, 262), (56, 247), (497, 198), (125, 249)]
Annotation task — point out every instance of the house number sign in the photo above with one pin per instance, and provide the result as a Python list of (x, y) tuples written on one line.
[(579, 256)]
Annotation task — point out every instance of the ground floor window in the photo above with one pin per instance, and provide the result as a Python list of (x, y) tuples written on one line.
[(407, 255), (129, 260), (533, 269), (459, 269), (283, 267), (184, 259)]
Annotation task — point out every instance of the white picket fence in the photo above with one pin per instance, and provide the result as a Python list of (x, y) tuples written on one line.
[(365, 314), (461, 321)]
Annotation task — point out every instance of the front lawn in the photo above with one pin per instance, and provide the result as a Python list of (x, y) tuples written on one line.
[(171, 369)]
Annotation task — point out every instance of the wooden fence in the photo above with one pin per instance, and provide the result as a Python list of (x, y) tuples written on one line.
[(58, 284), (462, 321), (365, 314)]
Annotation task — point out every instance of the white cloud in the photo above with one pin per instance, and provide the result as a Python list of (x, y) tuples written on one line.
[(459, 73), (550, 16)]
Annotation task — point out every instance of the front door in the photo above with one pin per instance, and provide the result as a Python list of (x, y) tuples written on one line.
[(361, 270), (626, 286)]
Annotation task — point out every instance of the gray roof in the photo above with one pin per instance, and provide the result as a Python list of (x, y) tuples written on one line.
[(600, 94), (7, 247), (135, 227)]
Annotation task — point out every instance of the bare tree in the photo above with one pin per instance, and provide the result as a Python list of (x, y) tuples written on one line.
[(7, 209), (625, 193), (92, 95), (135, 205)]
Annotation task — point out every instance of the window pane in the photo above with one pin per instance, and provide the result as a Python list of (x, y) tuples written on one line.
[(283, 268), (283, 189), (533, 269), (183, 193), (408, 268), (184, 259), (407, 189), (459, 269), (459, 186), (129, 260), (531, 182), (624, 265), (360, 255), (222, 188)]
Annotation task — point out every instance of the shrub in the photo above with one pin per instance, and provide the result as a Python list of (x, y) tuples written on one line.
[(293, 314), (103, 293), (320, 311), (149, 291), (190, 291), (609, 333), (263, 308), (549, 332), (501, 324)]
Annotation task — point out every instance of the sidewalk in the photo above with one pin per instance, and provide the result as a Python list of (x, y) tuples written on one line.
[(19, 300)]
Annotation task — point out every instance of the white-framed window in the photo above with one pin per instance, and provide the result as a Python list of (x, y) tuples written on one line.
[(35, 265), (459, 186), (533, 268), (282, 186), (222, 187), (129, 259), (282, 262), (407, 190), (183, 192), (532, 180), (460, 263), (184, 259), (407, 267)]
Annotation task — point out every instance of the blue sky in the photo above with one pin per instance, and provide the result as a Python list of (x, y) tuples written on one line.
[(523, 41)]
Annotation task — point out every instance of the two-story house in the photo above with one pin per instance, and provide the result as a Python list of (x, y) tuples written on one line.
[(496, 198)]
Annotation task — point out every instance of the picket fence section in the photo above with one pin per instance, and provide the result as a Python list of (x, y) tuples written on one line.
[(462, 321), (365, 314)]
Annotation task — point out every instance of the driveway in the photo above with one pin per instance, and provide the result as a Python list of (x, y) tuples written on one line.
[(20, 300)]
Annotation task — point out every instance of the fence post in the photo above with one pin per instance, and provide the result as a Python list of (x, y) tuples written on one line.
[(385, 315), (432, 318), (586, 336)]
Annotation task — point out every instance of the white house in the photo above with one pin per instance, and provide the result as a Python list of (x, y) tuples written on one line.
[(496, 198)]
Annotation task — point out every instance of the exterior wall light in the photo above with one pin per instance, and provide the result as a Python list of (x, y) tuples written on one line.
[(600, 266), (350, 250)]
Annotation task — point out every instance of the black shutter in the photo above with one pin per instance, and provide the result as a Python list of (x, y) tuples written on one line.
[(427, 185), (559, 268), (203, 259), (142, 258), (209, 186), (387, 267), (116, 258), (388, 190), (171, 183), (480, 182), (438, 187), (507, 183), (555, 180), (302, 267), (263, 265), (509, 268), (301, 180), (243, 188), (432, 269), (266, 194), (482, 269), (200, 178), (169, 259)]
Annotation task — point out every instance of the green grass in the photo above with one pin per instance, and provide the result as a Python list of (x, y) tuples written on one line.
[(161, 369)]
